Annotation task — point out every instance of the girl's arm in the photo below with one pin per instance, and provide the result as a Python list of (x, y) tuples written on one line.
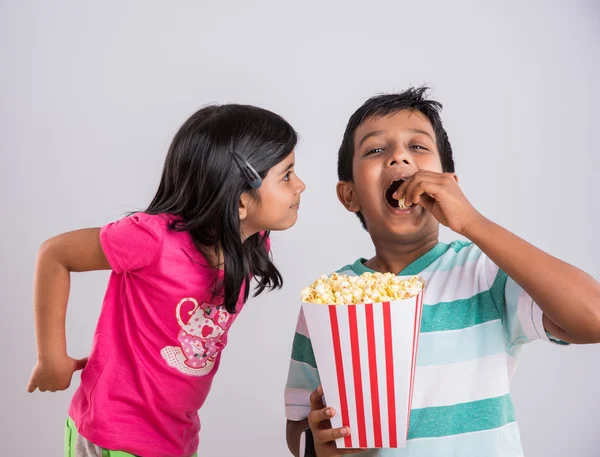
[(57, 258)]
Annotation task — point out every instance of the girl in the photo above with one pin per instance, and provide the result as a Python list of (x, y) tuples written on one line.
[(181, 273)]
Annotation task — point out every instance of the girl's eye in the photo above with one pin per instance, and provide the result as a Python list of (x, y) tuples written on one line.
[(287, 176), (374, 151)]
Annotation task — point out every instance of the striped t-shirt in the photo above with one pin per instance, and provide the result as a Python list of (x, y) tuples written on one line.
[(474, 324)]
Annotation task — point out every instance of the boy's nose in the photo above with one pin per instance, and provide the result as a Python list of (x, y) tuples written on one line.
[(300, 187), (399, 157), (394, 162)]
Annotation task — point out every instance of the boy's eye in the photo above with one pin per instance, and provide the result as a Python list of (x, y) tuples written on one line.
[(418, 146), (286, 177), (374, 151)]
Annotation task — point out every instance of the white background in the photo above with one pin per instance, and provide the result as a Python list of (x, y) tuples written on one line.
[(91, 95)]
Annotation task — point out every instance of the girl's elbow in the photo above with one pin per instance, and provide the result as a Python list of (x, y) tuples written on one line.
[(49, 253)]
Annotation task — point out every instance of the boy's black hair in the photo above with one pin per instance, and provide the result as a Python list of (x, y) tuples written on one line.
[(201, 183), (414, 99)]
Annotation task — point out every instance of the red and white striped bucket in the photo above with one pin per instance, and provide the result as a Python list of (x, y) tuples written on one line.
[(366, 356)]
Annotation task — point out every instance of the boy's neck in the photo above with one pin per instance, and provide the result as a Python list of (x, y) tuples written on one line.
[(395, 257)]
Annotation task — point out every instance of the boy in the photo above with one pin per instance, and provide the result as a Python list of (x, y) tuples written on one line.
[(483, 299)]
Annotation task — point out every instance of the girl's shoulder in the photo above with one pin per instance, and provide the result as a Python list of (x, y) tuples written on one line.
[(156, 224), (141, 217), (133, 242)]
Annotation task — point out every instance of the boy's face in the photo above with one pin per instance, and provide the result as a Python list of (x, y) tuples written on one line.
[(388, 149)]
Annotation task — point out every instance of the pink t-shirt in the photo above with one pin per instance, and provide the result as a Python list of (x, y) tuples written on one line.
[(157, 345)]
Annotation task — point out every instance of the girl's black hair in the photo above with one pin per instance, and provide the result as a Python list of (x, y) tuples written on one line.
[(202, 184)]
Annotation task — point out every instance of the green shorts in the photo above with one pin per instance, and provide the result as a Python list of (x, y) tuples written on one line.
[(77, 446)]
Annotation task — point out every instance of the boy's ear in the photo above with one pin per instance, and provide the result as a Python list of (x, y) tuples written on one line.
[(347, 197)]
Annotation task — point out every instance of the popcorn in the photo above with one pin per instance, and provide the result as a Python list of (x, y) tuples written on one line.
[(366, 288), (401, 204)]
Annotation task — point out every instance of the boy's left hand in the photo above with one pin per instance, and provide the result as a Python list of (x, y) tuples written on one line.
[(439, 194)]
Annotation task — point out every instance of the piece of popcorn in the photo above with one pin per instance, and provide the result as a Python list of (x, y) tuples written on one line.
[(305, 292), (401, 204), (321, 288)]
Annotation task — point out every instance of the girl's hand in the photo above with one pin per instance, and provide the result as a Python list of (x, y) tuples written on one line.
[(439, 194), (54, 374)]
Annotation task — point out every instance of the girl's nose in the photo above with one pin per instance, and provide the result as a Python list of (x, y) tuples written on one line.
[(301, 187)]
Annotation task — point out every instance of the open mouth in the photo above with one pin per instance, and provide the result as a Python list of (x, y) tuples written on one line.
[(390, 192)]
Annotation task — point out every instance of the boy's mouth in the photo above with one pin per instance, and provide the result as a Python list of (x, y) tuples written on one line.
[(390, 192)]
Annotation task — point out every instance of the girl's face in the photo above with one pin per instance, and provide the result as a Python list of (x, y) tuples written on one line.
[(277, 200)]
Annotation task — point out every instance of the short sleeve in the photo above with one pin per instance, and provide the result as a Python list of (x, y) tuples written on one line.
[(133, 242), (521, 316), (303, 376)]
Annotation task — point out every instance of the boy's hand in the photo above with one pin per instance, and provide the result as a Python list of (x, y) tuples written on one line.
[(439, 194), (324, 436), (54, 374)]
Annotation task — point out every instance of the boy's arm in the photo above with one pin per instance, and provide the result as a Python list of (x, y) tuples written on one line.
[(568, 297), (293, 430), (74, 251)]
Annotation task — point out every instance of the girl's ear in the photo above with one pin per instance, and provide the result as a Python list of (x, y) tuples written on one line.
[(346, 195), (244, 201)]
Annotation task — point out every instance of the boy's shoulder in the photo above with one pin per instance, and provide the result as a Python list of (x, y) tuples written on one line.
[(458, 245), (349, 269), (441, 256)]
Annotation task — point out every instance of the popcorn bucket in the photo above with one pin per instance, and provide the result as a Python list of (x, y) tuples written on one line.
[(366, 356)]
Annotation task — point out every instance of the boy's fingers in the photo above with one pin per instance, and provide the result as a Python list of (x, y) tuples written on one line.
[(420, 187), (316, 399), (426, 202), (330, 434), (317, 416), (425, 188), (454, 176), (409, 188), (403, 190)]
